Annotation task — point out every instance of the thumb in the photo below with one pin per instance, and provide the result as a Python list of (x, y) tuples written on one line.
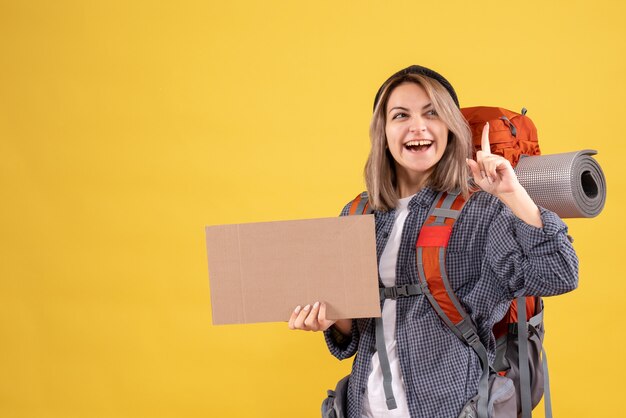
[(322, 316)]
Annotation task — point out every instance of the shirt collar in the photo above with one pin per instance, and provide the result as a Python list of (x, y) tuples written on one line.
[(423, 198)]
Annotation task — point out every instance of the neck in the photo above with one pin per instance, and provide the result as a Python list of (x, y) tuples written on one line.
[(408, 184)]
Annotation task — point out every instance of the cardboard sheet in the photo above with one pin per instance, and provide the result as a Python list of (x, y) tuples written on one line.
[(259, 272)]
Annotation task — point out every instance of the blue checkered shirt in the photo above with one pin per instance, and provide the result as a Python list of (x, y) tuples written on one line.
[(492, 257)]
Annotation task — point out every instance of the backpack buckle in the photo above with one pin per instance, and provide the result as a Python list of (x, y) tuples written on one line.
[(394, 292), (402, 291), (390, 292), (470, 337)]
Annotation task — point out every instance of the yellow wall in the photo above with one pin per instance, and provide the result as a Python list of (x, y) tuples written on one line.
[(126, 126)]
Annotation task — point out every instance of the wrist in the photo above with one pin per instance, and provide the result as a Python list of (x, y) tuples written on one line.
[(518, 194), (343, 326), (522, 206)]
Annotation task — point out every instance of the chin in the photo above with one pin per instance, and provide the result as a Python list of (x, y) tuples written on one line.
[(420, 169)]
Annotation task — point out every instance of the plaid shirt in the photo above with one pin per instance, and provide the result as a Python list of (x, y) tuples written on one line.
[(492, 257)]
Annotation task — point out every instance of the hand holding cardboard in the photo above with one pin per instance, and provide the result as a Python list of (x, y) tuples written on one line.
[(259, 272)]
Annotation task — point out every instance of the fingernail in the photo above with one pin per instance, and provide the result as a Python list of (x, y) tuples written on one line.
[(487, 124), (316, 305), (483, 174), (307, 307), (298, 309)]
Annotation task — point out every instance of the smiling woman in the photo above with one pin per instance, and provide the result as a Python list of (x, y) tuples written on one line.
[(416, 136), (408, 363), (413, 106)]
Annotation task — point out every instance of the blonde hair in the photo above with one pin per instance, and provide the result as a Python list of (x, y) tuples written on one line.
[(450, 173)]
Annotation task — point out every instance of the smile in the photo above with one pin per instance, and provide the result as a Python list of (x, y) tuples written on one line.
[(418, 145)]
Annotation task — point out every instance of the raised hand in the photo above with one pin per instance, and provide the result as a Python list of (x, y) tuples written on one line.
[(492, 173)]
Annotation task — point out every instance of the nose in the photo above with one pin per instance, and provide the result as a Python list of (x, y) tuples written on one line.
[(418, 124)]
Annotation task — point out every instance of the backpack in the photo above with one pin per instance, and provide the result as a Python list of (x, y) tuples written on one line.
[(511, 135), (515, 382), (335, 405)]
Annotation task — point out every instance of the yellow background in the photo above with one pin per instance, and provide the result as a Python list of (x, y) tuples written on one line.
[(127, 126)]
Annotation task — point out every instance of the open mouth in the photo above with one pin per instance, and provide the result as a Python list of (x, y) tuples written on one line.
[(417, 146)]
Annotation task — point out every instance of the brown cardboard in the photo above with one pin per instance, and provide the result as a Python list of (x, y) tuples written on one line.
[(259, 272)]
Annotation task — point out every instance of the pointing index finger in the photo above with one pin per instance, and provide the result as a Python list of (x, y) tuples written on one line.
[(486, 148)]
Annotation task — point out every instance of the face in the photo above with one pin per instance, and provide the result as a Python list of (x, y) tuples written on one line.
[(416, 137)]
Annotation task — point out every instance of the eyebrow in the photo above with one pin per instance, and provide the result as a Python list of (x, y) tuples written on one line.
[(405, 109), (397, 108)]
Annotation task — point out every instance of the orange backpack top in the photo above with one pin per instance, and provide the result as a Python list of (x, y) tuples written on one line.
[(511, 134)]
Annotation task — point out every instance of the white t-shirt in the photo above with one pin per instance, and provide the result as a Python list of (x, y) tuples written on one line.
[(374, 404)]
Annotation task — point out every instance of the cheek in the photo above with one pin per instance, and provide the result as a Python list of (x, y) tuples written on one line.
[(443, 135), (442, 130), (388, 138), (393, 133)]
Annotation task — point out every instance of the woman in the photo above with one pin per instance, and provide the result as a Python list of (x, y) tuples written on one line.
[(502, 246)]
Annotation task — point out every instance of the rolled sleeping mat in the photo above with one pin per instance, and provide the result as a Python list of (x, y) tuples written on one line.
[(571, 184)]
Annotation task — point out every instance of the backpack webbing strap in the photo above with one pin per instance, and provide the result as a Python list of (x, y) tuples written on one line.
[(393, 292), (547, 401), (470, 337), (430, 254), (534, 322), (524, 363), (381, 348), (360, 206), (522, 346), (536, 319)]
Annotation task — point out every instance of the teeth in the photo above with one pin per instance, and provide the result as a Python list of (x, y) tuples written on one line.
[(417, 143)]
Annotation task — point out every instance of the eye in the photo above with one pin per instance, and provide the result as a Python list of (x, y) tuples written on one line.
[(399, 115), (432, 113)]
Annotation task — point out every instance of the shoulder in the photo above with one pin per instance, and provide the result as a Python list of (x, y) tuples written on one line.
[(483, 199), (346, 209), (358, 200), (482, 205), (482, 213)]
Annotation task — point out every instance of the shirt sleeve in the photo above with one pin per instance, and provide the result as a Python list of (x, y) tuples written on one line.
[(528, 261), (342, 346), (516, 259)]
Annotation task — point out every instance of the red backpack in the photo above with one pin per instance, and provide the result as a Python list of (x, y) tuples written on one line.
[(511, 134)]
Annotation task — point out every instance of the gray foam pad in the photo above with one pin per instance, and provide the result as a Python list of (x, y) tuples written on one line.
[(571, 184)]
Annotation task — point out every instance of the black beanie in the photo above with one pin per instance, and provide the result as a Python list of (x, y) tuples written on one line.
[(418, 69)]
